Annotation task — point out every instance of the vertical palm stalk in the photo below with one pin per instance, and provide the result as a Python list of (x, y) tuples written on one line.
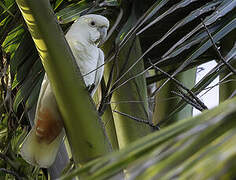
[(130, 100)]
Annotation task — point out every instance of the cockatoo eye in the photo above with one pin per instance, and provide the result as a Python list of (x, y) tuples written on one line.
[(92, 23)]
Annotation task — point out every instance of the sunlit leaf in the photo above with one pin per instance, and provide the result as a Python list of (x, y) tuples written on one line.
[(73, 12), (31, 81), (13, 39)]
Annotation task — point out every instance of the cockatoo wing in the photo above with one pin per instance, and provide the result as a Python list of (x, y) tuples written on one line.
[(42, 143), (99, 71)]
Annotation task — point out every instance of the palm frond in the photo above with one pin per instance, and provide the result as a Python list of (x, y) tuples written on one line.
[(176, 151)]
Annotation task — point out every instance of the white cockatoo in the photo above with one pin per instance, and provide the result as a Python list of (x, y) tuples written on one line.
[(41, 145)]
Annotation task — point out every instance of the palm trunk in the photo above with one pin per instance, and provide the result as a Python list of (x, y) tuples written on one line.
[(129, 99)]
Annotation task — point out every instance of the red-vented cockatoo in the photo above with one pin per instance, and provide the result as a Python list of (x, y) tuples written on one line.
[(41, 145)]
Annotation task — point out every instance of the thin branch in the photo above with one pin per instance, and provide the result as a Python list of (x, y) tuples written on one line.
[(217, 50), (8, 160), (232, 95), (188, 100), (124, 102), (155, 127), (107, 96), (97, 68), (131, 78), (127, 57), (177, 71), (137, 25), (121, 75), (118, 19), (129, 69), (11, 172), (120, 72), (223, 81), (108, 59), (198, 101), (158, 77)]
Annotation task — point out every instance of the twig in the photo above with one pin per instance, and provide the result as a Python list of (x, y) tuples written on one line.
[(155, 127), (118, 19), (158, 77), (188, 100), (217, 50), (198, 101), (107, 96), (97, 67), (131, 78), (232, 95), (11, 172), (126, 102), (127, 57), (121, 74), (8, 161), (222, 81)]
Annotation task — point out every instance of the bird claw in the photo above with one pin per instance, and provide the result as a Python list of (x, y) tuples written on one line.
[(90, 88)]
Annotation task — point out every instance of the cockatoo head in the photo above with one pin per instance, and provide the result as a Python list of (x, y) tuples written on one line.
[(92, 28)]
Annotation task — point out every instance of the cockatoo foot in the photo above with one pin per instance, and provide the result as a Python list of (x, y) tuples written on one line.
[(90, 88)]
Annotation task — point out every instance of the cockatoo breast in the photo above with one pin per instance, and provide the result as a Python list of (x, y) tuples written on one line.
[(83, 37), (86, 56)]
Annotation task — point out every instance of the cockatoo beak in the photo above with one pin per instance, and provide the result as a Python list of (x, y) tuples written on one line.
[(103, 35)]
